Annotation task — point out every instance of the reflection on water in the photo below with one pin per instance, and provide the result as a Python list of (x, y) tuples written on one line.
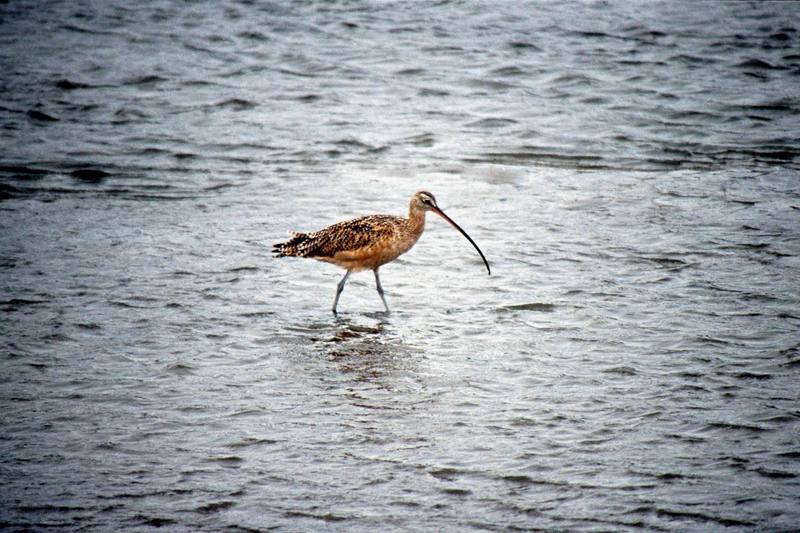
[(365, 348)]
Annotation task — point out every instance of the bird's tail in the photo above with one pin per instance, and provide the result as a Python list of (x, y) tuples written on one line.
[(296, 246)]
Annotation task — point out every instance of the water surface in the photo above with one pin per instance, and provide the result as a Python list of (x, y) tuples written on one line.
[(629, 169)]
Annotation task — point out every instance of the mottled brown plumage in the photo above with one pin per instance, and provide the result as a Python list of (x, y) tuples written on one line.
[(366, 243)]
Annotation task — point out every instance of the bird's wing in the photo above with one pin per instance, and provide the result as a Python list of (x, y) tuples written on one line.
[(353, 234)]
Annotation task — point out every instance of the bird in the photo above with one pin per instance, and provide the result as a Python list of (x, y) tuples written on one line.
[(368, 242)]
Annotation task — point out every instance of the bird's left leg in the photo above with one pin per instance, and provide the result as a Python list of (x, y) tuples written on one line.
[(380, 289), (339, 289)]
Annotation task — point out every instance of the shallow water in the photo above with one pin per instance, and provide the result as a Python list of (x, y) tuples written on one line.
[(629, 170)]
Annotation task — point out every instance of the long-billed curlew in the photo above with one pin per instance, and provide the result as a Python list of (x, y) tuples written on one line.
[(367, 243)]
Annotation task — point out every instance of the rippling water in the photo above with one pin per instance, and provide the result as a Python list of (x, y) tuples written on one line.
[(629, 169)]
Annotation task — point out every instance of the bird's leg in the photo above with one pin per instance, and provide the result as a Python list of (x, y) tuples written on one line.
[(380, 289), (339, 289)]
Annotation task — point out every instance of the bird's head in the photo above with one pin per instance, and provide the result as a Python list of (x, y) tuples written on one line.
[(425, 201)]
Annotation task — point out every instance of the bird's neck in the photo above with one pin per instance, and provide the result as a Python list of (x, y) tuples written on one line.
[(416, 221)]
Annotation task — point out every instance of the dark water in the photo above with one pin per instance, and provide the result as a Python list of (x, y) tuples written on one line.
[(630, 169)]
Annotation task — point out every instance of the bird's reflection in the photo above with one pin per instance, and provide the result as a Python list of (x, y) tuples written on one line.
[(367, 349)]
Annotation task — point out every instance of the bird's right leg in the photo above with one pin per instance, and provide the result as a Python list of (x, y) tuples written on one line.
[(339, 289)]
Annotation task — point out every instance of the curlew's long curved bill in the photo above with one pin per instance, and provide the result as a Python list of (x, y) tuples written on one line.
[(464, 233)]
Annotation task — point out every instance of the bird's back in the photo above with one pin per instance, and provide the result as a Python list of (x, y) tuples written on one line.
[(357, 244)]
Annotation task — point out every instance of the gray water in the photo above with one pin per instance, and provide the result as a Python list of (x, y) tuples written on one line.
[(629, 169)]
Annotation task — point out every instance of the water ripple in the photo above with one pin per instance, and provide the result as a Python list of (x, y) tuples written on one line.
[(630, 364)]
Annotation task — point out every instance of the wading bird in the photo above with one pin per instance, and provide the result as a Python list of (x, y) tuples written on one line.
[(367, 243)]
